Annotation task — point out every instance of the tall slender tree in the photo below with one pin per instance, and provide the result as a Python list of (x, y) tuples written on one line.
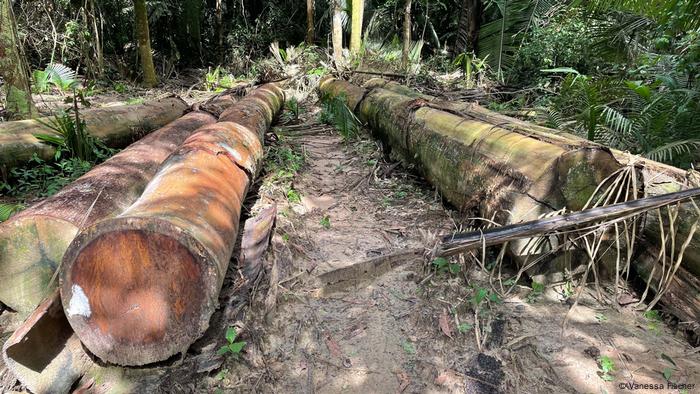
[(468, 28), (310, 31), (144, 41), (358, 10), (191, 15), (337, 34), (406, 34), (13, 69)]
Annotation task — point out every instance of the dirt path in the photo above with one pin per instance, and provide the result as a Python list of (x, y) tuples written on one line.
[(343, 317)]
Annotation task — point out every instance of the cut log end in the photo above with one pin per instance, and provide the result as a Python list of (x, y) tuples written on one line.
[(40, 240), (143, 309)]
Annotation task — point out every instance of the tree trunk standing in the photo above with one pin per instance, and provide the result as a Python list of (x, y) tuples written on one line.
[(337, 34), (220, 30), (406, 35), (18, 94), (192, 12), (310, 33), (468, 29), (358, 10), (144, 42)]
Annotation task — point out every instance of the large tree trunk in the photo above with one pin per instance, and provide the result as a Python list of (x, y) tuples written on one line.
[(468, 28), (142, 286), (337, 34), (358, 11), (406, 34), (192, 13), (485, 161), (18, 94), (32, 243), (310, 30), (116, 126), (144, 43)]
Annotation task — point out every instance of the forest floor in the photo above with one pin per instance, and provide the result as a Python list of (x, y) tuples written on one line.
[(342, 309), (347, 319)]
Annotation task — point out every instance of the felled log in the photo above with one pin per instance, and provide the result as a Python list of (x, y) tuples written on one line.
[(506, 174), (117, 126), (32, 243), (477, 136), (141, 287), (657, 178)]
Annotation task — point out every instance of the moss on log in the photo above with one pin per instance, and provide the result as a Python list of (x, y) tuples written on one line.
[(141, 287), (32, 243), (117, 126)]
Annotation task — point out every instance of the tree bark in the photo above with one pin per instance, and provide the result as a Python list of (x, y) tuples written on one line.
[(144, 43), (192, 13), (494, 168), (142, 286), (406, 35), (358, 11), (468, 29), (310, 18), (13, 69), (32, 242), (220, 30), (116, 126), (337, 34), (483, 160)]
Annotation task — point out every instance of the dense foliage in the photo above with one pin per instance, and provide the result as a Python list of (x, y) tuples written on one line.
[(621, 72)]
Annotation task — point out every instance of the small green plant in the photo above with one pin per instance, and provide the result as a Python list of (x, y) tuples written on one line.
[(58, 75), (326, 222), (653, 320), (293, 108), (471, 66), (483, 296), (134, 101), (464, 328), (668, 373), (443, 266), (607, 366), (119, 87), (536, 292), (293, 196), (600, 317), (211, 79), (234, 348), (222, 374), (408, 347)]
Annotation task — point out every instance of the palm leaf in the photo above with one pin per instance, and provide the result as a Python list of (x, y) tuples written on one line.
[(665, 152), (7, 210)]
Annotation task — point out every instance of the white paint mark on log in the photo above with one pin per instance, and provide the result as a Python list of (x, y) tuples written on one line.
[(79, 303), (236, 156)]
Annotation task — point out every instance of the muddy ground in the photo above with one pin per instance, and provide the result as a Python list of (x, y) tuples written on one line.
[(343, 305)]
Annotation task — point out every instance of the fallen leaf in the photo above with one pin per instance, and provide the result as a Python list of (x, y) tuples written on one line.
[(404, 380), (445, 324), (333, 346)]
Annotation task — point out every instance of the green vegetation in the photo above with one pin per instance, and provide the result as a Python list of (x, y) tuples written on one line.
[(337, 114), (443, 266), (606, 366), (232, 347)]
